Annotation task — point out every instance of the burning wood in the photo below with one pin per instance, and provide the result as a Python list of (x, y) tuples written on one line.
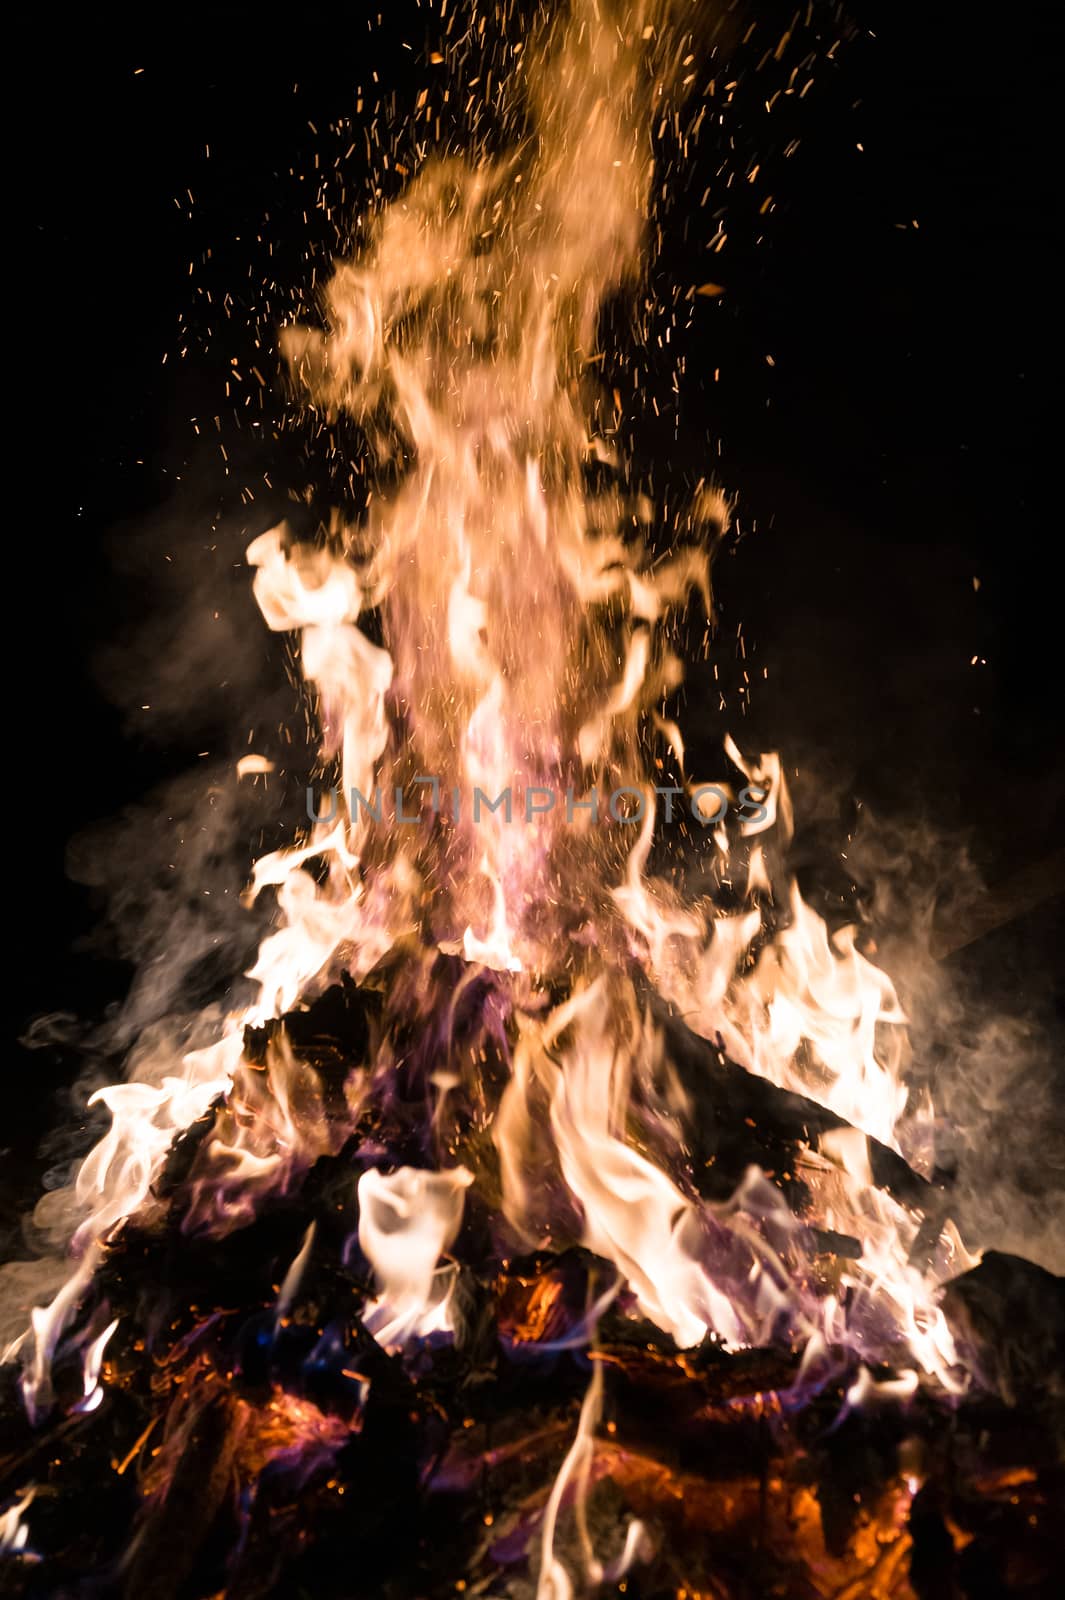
[(257, 1436)]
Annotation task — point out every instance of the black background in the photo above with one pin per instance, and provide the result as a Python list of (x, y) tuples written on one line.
[(901, 445)]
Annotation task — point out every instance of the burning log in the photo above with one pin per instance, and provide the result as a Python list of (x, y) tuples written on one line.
[(195, 1473), (290, 1436)]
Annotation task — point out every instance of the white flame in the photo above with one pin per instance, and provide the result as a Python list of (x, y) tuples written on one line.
[(92, 1394), (407, 1219), (14, 1531), (574, 1476)]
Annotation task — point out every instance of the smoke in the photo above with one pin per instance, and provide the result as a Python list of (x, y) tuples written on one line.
[(183, 659), (983, 1035), (169, 870)]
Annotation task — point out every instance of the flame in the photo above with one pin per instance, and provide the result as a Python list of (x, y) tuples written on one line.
[(407, 1219), (14, 1532), (116, 1177), (91, 1364), (574, 1475), (272, 1126), (633, 1214), (492, 636)]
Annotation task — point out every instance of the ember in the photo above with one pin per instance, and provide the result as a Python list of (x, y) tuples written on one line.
[(540, 1227)]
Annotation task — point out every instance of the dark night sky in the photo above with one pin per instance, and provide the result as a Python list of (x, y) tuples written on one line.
[(900, 445)]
